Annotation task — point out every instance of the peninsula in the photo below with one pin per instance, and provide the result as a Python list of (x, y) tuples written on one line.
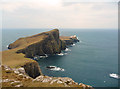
[(20, 70)]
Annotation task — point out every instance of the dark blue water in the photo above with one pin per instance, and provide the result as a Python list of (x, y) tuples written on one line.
[(89, 61)]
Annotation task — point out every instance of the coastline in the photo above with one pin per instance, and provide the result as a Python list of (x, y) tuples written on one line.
[(18, 60)]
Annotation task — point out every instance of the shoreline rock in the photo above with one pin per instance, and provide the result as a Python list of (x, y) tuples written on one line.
[(66, 81)]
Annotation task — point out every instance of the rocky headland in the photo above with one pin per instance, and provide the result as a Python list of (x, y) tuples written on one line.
[(18, 63)]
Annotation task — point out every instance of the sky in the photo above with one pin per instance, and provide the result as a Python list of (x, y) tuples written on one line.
[(59, 14)]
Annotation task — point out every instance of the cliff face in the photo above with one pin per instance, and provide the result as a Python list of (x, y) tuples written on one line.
[(32, 69), (47, 43), (69, 40)]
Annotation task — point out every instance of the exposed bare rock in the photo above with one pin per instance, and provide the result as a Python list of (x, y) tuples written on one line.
[(40, 44), (32, 69)]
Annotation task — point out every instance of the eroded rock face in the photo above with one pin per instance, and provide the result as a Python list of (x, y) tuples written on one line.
[(69, 40), (32, 69), (60, 80), (40, 44)]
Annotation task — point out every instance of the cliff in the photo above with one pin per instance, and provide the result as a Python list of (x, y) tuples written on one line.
[(40, 44), (17, 77), (49, 43), (69, 40), (21, 71)]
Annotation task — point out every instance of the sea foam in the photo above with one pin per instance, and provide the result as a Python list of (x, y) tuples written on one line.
[(67, 49), (113, 75), (55, 68), (62, 54)]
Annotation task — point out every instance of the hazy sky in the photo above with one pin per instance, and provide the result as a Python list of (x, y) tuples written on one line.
[(58, 14)]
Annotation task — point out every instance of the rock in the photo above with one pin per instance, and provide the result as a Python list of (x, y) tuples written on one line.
[(16, 72), (59, 81), (54, 80), (46, 80), (21, 75), (8, 71), (66, 79), (46, 43), (39, 78), (69, 40), (21, 70), (43, 79), (5, 80), (66, 85), (8, 80), (20, 85), (16, 83), (32, 69), (85, 86)]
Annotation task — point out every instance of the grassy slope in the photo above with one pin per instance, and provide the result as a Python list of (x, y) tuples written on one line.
[(12, 59)]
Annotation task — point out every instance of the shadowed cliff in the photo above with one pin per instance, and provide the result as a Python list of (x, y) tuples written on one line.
[(40, 44), (44, 43)]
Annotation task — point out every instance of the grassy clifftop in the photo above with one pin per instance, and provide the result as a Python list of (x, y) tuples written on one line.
[(40, 44)]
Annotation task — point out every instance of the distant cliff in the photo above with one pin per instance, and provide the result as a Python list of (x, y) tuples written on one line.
[(41, 44), (69, 40)]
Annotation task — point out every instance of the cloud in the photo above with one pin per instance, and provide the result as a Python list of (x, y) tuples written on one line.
[(59, 14)]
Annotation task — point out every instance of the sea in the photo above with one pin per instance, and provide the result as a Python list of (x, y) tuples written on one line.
[(90, 61)]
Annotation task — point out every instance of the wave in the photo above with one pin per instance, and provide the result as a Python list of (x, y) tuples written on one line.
[(40, 57), (7, 46), (73, 44), (113, 75), (67, 49), (55, 68), (62, 54), (77, 38)]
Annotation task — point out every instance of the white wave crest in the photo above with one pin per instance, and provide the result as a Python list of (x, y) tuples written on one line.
[(7, 46), (77, 38), (62, 54), (54, 68), (40, 57), (67, 49), (73, 44), (113, 75)]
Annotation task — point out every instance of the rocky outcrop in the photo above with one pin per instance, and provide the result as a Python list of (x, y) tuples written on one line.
[(20, 79), (69, 40), (32, 69), (40, 44), (44, 43)]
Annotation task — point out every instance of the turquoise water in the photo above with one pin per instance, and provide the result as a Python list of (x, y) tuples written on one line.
[(90, 61)]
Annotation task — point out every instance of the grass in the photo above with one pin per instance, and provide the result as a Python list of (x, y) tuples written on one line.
[(12, 59)]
